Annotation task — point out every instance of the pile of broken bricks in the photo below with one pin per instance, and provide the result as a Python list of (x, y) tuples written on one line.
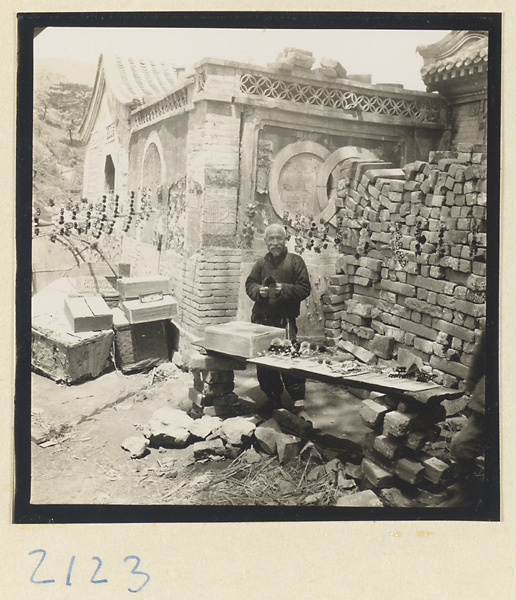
[(401, 463), (284, 435), (294, 59)]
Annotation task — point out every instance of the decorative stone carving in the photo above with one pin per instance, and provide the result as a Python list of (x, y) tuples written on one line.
[(293, 178), (337, 98)]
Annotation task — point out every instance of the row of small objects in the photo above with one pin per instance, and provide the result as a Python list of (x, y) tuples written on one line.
[(94, 219)]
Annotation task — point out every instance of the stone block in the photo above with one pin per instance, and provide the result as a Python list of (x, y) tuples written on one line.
[(356, 308), (237, 430), (207, 362), (373, 413), (218, 389), (136, 445), (218, 376), (416, 440), (367, 498), (267, 435), (203, 427), (376, 474), (214, 447), (457, 331), (360, 353), (409, 470), (436, 470), (291, 423), (382, 346), (448, 366), (288, 447), (169, 427), (388, 447), (199, 399), (229, 400), (398, 424), (396, 498), (339, 279), (418, 329)]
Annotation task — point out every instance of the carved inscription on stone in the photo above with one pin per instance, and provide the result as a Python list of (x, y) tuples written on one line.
[(297, 184)]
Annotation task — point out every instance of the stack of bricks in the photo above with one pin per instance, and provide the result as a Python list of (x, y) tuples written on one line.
[(396, 452), (213, 384), (334, 306), (293, 59), (414, 249), (210, 289)]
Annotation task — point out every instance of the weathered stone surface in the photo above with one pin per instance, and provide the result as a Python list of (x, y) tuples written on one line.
[(372, 413), (382, 346), (361, 353), (218, 376), (288, 447), (387, 447), (376, 475), (209, 448), (208, 362), (199, 399), (395, 497), (436, 470), (221, 411), (237, 430), (169, 427), (366, 498), (202, 427), (409, 470), (136, 445), (292, 423), (398, 424), (267, 435)]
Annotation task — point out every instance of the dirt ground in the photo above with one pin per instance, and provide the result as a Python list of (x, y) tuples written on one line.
[(77, 458)]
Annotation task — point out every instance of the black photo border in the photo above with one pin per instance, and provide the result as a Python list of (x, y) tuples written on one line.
[(29, 24)]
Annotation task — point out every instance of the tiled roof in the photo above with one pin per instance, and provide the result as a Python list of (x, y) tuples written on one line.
[(460, 52), (132, 78), (132, 82)]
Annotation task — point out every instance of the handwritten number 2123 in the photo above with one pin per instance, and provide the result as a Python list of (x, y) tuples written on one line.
[(95, 578)]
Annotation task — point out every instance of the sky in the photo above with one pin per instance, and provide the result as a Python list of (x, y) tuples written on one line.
[(388, 55)]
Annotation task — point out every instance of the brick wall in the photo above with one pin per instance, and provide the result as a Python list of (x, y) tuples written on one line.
[(412, 272), (469, 124)]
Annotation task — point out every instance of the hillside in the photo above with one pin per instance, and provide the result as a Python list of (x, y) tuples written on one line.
[(58, 156)]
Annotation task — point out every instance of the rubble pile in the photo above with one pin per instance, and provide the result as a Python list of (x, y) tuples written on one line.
[(402, 461), (413, 244)]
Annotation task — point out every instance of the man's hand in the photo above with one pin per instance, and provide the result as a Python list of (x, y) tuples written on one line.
[(264, 292)]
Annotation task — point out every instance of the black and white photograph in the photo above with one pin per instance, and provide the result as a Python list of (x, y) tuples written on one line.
[(259, 285)]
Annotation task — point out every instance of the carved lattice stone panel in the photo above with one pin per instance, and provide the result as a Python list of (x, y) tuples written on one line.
[(167, 106), (327, 97)]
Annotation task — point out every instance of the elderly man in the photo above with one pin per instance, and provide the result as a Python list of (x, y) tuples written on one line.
[(278, 282)]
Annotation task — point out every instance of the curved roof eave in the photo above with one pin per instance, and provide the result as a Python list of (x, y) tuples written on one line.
[(130, 81)]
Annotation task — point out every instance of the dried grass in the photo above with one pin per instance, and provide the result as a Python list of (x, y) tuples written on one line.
[(265, 483)]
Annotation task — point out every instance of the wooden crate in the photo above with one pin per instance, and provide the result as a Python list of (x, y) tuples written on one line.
[(134, 287), (136, 311), (140, 346), (240, 338), (97, 286), (90, 313), (67, 357)]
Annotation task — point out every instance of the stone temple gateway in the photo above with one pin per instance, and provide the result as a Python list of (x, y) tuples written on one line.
[(217, 151)]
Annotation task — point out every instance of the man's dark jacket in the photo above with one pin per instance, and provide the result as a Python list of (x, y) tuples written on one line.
[(289, 270)]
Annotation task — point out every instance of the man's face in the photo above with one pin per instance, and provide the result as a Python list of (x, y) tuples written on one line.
[(275, 242)]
